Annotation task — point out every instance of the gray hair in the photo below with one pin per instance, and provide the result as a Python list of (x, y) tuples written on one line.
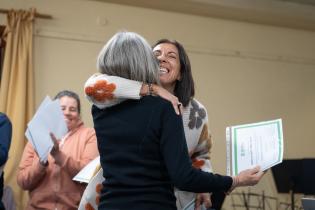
[(129, 55), (70, 94)]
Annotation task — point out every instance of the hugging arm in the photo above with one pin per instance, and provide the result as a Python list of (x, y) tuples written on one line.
[(105, 91), (177, 161)]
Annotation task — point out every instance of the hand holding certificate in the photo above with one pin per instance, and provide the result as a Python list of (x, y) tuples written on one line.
[(254, 144)]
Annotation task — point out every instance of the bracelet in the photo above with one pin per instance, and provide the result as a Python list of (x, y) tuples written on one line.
[(150, 89)]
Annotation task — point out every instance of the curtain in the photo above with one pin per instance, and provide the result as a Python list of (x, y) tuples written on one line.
[(17, 90)]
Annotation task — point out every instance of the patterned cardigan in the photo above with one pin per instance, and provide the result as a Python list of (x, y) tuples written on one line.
[(105, 91)]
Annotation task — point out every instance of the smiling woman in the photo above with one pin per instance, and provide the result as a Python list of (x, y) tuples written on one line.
[(167, 54), (70, 106), (50, 183)]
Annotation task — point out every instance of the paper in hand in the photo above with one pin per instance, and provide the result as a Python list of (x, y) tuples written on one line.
[(254, 144), (47, 119), (86, 173)]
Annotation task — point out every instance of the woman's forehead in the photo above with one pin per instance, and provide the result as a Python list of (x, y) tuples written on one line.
[(166, 47), (66, 100)]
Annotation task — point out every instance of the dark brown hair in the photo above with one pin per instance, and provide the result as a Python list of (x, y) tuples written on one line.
[(185, 87)]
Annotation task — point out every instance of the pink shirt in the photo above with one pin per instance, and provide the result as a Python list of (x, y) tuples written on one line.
[(52, 187)]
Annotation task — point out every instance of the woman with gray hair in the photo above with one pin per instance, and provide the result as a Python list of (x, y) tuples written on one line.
[(141, 142)]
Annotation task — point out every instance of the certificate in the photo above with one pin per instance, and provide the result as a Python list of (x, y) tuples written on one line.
[(254, 144)]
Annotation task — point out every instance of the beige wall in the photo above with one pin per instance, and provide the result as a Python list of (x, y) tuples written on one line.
[(243, 72)]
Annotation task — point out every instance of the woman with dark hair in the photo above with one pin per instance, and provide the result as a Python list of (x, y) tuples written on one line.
[(178, 81), (176, 78), (142, 143), (50, 183)]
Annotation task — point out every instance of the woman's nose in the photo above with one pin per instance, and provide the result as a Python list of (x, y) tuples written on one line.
[(161, 58), (66, 112)]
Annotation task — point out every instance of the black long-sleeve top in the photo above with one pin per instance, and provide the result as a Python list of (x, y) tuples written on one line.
[(144, 155)]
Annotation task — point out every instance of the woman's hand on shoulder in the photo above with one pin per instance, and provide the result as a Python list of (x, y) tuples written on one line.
[(163, 93)]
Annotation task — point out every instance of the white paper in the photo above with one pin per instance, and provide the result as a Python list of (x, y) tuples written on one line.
[(47, 119), (254, 144), (86, 174), (51, 116), (29, 137)]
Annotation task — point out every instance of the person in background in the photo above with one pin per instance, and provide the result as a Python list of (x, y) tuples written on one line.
[(50, 183), (142, 143), (5, 142)]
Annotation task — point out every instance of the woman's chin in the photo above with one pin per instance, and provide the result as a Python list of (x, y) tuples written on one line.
[(69, 126)]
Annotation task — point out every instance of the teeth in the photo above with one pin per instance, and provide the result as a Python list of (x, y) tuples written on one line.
[(163, 71)]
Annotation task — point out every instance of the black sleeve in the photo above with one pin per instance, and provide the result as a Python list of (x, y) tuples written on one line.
[(5, 138), (175, 153)]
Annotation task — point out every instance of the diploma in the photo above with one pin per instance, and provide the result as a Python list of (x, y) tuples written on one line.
[(254, 144)]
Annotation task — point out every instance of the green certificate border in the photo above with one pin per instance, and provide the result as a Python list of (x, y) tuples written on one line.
[(235, 130)]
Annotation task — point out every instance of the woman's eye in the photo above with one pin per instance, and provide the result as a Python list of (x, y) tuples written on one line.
[(73, 110)]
